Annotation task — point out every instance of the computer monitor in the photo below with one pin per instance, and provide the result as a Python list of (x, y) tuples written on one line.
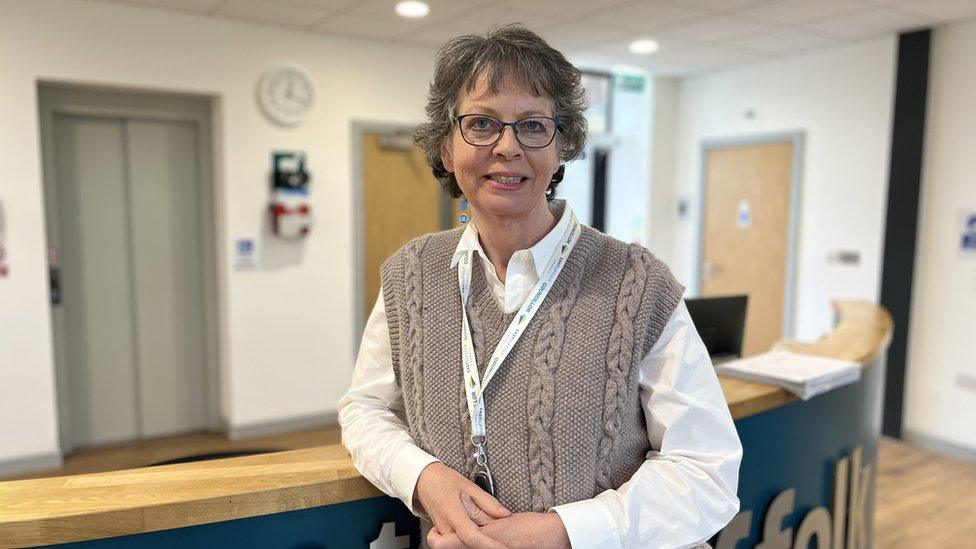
[(721, 323)]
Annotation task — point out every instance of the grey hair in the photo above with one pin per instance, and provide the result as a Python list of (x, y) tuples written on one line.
[(511, 51)]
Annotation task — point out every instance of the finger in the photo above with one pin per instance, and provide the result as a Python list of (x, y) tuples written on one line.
[(437, 540), (473, 537), (489, 504), (455, 518), (476, 513), (447, 519), (442, 524), (466, 530)]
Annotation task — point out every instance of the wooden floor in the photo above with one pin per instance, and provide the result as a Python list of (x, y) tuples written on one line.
[(922, 499)]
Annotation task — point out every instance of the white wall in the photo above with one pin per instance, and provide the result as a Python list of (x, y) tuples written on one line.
[(937, 408), (842, 100), (664, 149), (629, 169), (289, 346), (628, 172)]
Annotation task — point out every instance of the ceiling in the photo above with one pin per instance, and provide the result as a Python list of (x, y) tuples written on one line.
[(694, 35)]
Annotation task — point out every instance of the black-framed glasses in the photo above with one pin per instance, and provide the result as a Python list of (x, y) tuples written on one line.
[(532, 132)]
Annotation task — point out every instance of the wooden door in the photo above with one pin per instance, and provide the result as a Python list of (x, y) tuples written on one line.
[(402, 200), (746, 234)]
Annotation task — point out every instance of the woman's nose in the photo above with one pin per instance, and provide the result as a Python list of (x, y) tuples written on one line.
[(508, 144)]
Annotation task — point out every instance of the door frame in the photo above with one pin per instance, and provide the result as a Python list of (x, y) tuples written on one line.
[(73, 99), (797, 139), (359, 128)]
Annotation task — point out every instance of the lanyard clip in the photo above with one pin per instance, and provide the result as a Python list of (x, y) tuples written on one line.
[(480, 455)]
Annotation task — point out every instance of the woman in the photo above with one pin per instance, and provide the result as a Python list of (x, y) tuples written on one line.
[(529, 381)]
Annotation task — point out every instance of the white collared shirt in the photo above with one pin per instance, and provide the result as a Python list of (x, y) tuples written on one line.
[(680, 496), (524, 268)]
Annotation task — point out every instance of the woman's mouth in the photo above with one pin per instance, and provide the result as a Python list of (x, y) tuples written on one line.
[(506, 181)]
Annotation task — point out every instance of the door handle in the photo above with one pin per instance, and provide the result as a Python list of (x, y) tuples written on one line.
[(55, 274), (709, 268)]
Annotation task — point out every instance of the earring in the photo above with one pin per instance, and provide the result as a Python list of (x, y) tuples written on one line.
[(463, 206)]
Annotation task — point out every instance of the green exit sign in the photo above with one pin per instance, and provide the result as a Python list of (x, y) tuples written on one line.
[(630, 82)]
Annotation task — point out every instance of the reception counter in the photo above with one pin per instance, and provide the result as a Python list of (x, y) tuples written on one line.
[(807, 472)]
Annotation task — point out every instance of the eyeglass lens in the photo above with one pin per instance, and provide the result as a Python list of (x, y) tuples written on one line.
[(534, 131)]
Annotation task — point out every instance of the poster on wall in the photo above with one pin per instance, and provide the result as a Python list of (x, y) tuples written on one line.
[(967, 233)]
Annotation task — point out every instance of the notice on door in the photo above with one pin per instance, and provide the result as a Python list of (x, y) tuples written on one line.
[(744, 214)]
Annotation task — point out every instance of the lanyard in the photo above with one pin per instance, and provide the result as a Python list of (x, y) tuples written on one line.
[(474, 387)]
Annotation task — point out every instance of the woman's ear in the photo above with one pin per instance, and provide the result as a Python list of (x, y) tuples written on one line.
[(447, 155)]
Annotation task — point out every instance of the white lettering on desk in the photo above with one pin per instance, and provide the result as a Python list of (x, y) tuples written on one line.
[(828, 527), (389, 540)]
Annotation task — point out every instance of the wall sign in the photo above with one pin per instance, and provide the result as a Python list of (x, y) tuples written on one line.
[(633, 83), (245, 254), (967, 237)]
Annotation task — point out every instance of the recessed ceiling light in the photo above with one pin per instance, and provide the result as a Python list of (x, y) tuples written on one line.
[(412, 8), (643, 46)]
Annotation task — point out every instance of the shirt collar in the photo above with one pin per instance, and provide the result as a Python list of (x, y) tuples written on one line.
[(541, 252)]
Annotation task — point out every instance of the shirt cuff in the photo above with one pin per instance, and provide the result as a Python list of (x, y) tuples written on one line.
[(409, 462), (589, 524)]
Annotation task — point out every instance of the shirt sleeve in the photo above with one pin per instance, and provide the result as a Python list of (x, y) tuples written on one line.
[(685, 492), (380, 443)]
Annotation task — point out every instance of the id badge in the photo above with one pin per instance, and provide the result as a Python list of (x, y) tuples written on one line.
[(484, 481)]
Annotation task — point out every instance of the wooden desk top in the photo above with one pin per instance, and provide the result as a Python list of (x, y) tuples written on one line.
[(100, 505), (863, 332)]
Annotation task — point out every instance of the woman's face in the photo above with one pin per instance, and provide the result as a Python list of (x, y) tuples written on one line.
[(506, 179)]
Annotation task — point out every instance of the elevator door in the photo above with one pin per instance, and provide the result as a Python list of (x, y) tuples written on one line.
[(129, 241)]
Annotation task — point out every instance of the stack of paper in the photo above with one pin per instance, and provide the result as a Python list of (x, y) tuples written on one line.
[(803, 375)]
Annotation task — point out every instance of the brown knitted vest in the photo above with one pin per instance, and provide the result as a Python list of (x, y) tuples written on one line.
[(564, 418)]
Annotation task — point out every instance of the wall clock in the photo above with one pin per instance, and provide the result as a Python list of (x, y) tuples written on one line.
[(286, 95)]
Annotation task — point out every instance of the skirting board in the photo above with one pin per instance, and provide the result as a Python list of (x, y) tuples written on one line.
[(29, 464), (328, 419), (940, 446)]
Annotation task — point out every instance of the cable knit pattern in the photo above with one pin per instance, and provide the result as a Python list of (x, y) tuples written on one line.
[(542, 408), (563, 413), (619, 356), (414, 337)]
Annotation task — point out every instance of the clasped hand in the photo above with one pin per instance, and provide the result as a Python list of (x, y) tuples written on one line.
[(465, 516)]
